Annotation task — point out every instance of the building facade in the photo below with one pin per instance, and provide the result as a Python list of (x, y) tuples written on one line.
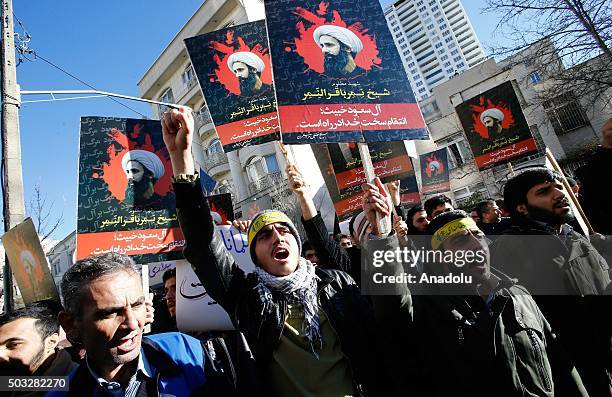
[(435, 39), (566, 125), (61, 257)]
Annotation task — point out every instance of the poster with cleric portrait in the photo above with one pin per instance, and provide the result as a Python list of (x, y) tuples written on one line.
[(343, 173), (338, 75), (495, 127), (235, 74), (434, 172), (125, 200)]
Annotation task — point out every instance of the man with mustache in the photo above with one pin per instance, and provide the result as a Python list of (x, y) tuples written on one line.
[(247, 67), (340, 47), (105, 313), (29, 340), (561, 268), (142, 169)]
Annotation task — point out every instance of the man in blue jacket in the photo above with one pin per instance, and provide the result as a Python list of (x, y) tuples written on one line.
[(105, 313)]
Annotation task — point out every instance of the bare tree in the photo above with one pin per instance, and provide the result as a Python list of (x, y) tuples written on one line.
[(43, 215), (575, 35)]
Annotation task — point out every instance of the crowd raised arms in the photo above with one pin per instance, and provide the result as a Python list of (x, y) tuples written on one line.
[(507, 300)]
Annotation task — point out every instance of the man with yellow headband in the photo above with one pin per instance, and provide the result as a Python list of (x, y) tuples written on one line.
[(306, 326), (486, 337)]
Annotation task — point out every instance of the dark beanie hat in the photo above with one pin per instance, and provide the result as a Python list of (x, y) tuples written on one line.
[(515, 190), (269, 217)]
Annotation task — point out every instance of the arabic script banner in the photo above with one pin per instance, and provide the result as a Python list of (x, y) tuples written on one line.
[(339, 77), (235, 73), (343, 173), (125, 198), (435, 172), (191, 297), (495, 127)]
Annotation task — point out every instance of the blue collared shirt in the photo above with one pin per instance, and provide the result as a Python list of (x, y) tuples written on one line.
[(114, 389)]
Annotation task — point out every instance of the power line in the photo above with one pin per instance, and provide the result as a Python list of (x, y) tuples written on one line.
[(23, 49), (85, 83)]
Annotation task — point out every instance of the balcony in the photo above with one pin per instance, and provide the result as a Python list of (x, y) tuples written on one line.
[(216, 163), (266, 182), (202, 116)]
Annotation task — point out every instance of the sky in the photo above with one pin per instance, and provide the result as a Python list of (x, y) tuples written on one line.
[(109, 45)]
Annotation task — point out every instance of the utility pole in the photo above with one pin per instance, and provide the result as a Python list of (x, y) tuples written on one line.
[(14, 207)]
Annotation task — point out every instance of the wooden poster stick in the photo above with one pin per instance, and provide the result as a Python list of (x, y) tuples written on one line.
[(366, 162), (581, 217)]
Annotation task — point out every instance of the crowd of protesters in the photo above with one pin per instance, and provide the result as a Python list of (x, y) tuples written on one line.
[(531, 319)]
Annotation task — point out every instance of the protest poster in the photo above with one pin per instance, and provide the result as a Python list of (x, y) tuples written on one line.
[(29, 263), (156, 271), (495, 127), (252, 208), (125, 198), (338, 75), (343, 173), (221, 208), (435, 172), (409, 191), (235, 74), (191, 297)]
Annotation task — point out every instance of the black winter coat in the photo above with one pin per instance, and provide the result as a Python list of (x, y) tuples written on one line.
[(349, 313)]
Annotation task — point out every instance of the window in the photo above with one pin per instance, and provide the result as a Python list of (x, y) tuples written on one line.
[(430, 109), (214, 147), (451, 45), (166, 97), (460, 64), (438, 45), (430, 27), (400, 41), (188, 76), (397, 29), (256, 169), (565, 113), (422, 90), (457, 59), (437, 14), (444, 58), (271, 163), (458, 150), (403, 47), (445, 33), (398, 35), (454, 52), (447, 64), (535, 77)]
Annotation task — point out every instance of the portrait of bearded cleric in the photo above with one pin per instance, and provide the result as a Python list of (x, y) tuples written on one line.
[(340, 46), (247, 67), (142, 170)]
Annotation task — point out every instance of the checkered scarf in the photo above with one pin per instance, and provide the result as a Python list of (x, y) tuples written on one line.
[(298, 287)]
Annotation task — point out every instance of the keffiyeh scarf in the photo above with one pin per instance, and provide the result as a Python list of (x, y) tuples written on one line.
[(298, 287)]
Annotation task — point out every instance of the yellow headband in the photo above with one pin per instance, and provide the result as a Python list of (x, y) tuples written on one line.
[(264, 219), (450, 229)]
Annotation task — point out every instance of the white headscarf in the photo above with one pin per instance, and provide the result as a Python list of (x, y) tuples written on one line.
[(148, 160), (248, 58), (341, 34)]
